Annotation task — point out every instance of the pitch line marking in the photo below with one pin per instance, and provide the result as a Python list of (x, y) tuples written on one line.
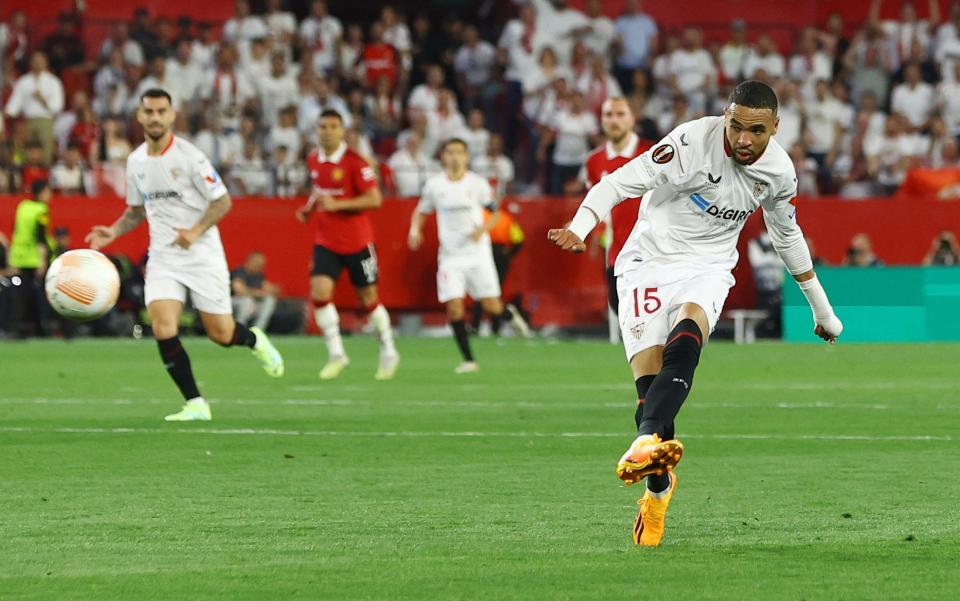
[(465, 434)]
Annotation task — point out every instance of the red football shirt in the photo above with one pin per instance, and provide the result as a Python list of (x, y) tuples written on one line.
[(606, 160), (379, 60), (343, 174)]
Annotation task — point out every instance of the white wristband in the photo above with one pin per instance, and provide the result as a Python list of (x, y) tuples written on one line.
[(817, 297), (583, 223)]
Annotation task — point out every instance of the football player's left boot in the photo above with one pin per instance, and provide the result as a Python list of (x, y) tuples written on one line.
[(518, 323), (652, 517), (387, 367), (648, 455), (194, 410), (267, 354)]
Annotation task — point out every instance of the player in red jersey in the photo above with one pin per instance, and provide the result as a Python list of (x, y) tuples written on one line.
[(344, 190), (617, 122)]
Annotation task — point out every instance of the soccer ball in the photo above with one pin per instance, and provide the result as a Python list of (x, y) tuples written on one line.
[(82, 284)]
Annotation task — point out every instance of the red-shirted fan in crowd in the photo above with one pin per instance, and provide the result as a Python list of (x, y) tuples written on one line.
[(344, 190), (617, 122)]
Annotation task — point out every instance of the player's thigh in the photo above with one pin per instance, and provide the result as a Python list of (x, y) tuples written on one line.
[(644, 316), (483, 283), (647, 362), (451, 282), (701, 299), (324, 271), (219, 327), (164, 317), (368, 295), (363, 268), (455, 309)]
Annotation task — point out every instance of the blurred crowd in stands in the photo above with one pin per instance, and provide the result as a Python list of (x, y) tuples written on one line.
[(861, 103)]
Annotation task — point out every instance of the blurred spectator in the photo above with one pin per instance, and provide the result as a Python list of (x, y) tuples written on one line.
[(184, 76), (869, 76), (85, 135), (226, 88), (253, 296), (10, 176), (281, 24), (860, 253), (733, 54), (948, 100), (891, 155), (286, 134), (222, 148), (379, 58), (637, 37), (255, 59), (602, 33), (790, 111), (63, 123), (446, 121), (573, 132), (385, 110), (278, 90), (764, 58), (518, 49), (810, 64), (156, 78), (944, 250), (351, 52), (143, 32), (204, 49), (64, 46), (680, 112), (424, 96), (13, 44), (119, 39), (472, 64), (249, 176), (244, 26), (110, 86), (418, 125), (495, 166), (316, 97), (597, 85), (475, 135), (289, 175), (825, 123), (806, 169), (913, 98), (768, 278), (320, 35), (35, 168), (396, 34), (68, 175), (115, 147), (692, 71), (564, 25), (410, 167), (38, 97), (909, 28)]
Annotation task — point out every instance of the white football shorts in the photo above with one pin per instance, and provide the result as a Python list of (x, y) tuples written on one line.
[(473, 275), (651, 297), (209, 285)]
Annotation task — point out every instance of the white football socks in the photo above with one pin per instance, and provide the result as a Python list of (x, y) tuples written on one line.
[(381, 321), (329, 321)]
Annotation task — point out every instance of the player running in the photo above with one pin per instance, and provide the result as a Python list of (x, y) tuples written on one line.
[(617, 122), (344, 190), (465, 263), (699, 186), (174, 187)]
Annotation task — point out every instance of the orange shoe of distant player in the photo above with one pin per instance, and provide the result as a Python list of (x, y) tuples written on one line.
[(648, 455), (651, 519)]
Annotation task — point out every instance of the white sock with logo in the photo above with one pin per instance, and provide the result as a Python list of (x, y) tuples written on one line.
[(329, 321), (381, 321)]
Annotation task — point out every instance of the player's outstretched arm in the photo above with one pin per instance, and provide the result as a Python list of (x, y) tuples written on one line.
[(415, 235), (216, 211), (826, 324), (102, 235), (303, 213)]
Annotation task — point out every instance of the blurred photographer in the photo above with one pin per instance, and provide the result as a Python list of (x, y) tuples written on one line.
[(944, 250)]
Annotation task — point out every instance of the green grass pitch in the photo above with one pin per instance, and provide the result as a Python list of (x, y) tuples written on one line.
[(811, 472)]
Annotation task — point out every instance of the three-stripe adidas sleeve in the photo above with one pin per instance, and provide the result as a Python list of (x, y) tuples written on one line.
[(661, 164)]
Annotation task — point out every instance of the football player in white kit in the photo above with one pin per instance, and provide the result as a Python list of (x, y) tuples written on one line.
[(174, 187), (699, 186), (465, 262)]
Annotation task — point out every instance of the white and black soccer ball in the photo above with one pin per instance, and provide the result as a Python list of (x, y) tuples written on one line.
[(82, 284)]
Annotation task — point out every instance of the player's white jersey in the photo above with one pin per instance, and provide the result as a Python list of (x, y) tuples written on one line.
[(459, 206), (175, 188), (696, 198)]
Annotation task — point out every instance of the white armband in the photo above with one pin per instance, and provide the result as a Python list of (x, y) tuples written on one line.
[(817, 297)]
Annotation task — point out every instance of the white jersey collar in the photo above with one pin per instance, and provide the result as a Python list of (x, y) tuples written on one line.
[(333, 158)]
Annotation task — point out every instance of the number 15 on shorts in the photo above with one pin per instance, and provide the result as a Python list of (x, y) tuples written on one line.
[(645, 300)]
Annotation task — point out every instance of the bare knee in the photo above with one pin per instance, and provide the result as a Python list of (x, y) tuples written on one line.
[(321, 289), (221, 333), (367, 296), (455, 310), (647, 362), (164, 329), (492, 306)]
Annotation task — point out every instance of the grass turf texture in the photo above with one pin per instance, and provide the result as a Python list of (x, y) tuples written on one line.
[(794, 484)]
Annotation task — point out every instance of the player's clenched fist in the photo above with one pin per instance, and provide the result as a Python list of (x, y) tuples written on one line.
[(566, 240)]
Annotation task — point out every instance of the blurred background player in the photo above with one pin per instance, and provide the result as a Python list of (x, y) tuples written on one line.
[(174, 187), (30, 251), (253, 296), (700, 184), (465, 263), (622, 145), (344, 190)]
